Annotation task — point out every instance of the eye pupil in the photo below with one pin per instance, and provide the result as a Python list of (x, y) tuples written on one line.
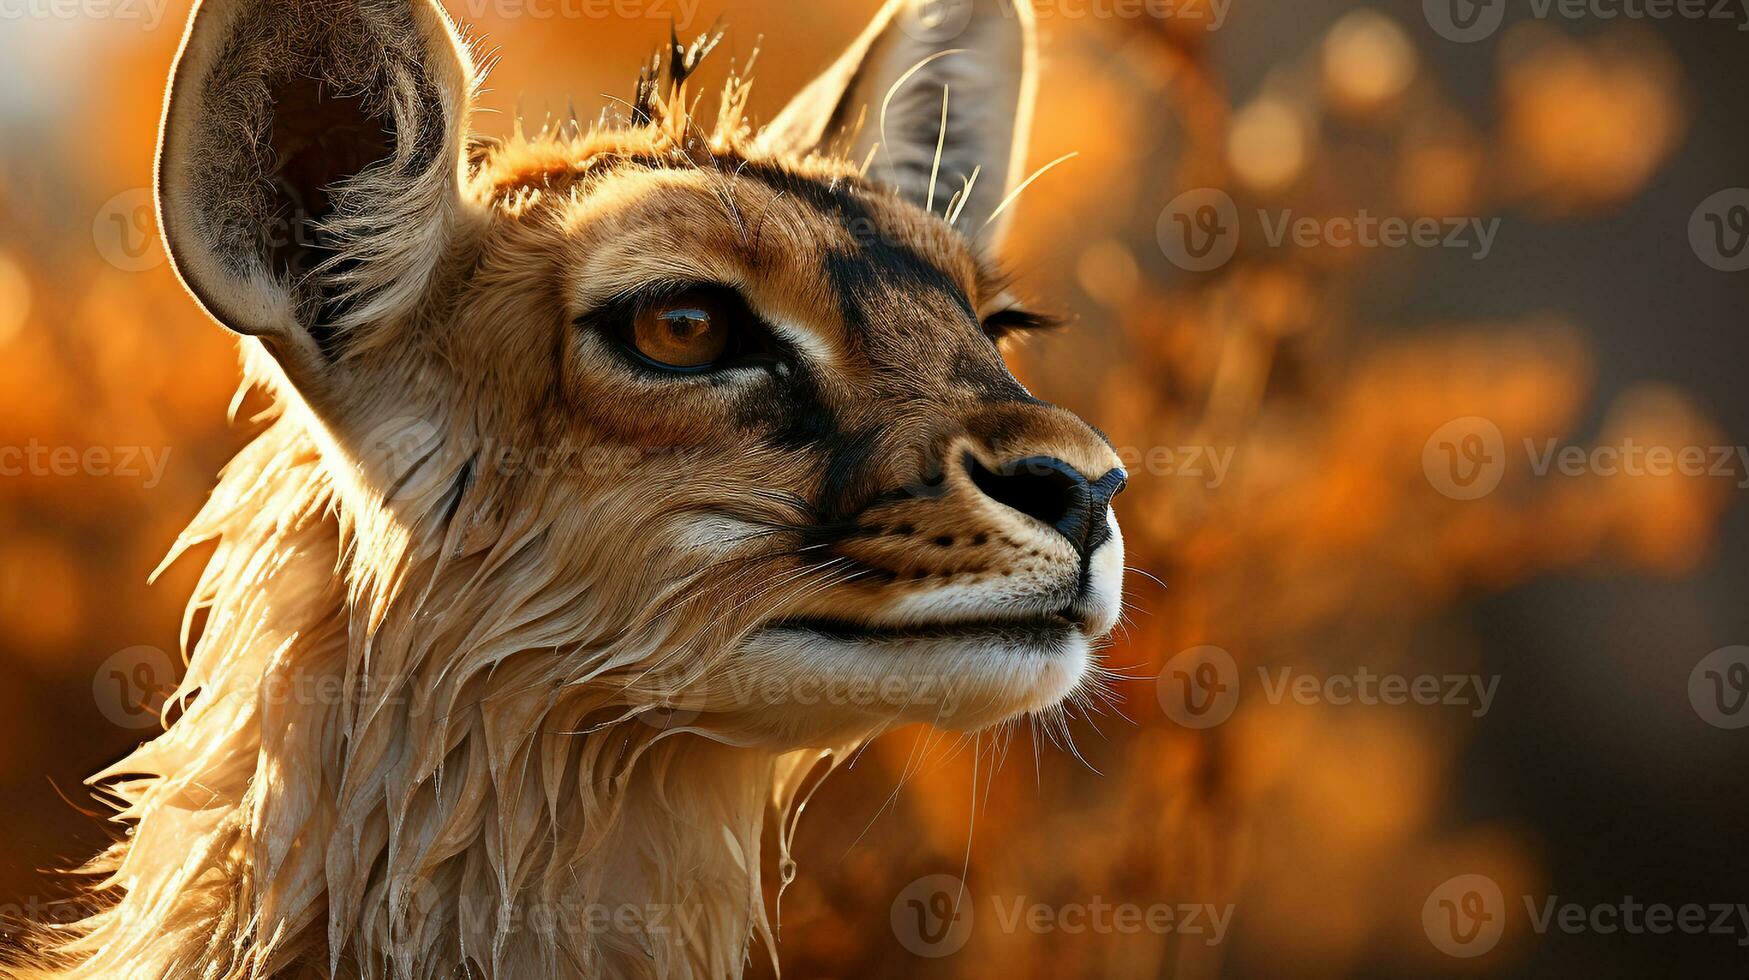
[(687, 324), (691, 331)]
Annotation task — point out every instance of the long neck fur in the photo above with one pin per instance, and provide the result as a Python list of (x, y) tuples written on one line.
[(406, 754)]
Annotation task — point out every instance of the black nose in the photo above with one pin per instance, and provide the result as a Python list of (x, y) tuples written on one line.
[(1052, 491)]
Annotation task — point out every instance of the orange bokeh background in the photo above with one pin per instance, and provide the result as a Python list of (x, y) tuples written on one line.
[(1323, 371)]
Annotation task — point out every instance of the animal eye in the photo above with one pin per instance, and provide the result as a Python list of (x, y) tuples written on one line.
[(687, 332)]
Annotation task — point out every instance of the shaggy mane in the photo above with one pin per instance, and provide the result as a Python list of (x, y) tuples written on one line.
[(259, 843)]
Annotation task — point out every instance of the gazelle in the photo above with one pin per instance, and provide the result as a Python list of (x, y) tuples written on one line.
[(618, 479)]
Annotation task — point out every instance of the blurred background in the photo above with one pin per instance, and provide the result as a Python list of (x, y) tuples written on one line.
[(1338, 441)]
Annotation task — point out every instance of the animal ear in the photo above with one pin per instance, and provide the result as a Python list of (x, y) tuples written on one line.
[(309, 166), (885, 95)]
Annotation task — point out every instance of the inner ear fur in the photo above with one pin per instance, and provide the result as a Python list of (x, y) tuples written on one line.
[(309, 165), (983, 52)]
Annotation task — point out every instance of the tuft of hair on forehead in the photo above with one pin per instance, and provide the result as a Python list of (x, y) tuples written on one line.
[(683, 62), (660, 125)]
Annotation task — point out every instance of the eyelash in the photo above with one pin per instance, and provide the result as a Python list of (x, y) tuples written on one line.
[(1015, 321)]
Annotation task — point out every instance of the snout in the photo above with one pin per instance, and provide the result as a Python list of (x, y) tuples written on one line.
[(991, 568), (1052, 492), (1008, 518)]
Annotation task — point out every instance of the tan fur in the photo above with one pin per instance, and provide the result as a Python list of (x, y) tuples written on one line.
[(475, 693)]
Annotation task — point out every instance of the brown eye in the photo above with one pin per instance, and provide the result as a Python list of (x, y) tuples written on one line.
[(691, 330)]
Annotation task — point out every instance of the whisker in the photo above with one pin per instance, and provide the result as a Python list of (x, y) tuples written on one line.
[(971, 817), (868, 161), (940, 146), (1147, 575), (964, 197), (1028, 183), (887, 102)]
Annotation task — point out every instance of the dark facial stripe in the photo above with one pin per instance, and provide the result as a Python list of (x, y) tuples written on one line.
[(876, 263), (846, 478), (792, 410), (983, 371)]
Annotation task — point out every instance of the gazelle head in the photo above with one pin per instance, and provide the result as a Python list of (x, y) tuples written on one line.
[(716, 420)]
